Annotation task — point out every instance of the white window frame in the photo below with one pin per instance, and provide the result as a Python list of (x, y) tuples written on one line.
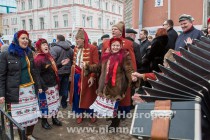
[(41, 3), (30, 24), (100, 23), (30, 4), (55, 2), (24, 24), (65, 20), (55, 18), (91, 21), (23, 5), (83, 20), (107, 23), (106, 6), (41, 22), (113, 8)]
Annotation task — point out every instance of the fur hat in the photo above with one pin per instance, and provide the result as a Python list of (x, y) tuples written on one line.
[(121, 26), (80, 34), (83, 35)]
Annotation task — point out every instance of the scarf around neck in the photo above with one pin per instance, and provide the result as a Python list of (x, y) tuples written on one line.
[(114, 60)]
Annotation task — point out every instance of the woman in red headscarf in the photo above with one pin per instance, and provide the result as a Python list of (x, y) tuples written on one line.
[(115, 78), (47, 68)]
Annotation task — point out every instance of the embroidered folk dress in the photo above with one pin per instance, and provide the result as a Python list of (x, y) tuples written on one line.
[(48, 102), (26, 112), (109, 95)]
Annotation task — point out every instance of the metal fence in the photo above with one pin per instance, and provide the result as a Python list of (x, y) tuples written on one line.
[(12, 122)]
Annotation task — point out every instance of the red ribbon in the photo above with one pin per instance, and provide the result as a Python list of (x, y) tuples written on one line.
[(114, 73)]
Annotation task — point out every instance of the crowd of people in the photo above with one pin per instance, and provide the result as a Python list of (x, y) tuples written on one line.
[(98, 80)]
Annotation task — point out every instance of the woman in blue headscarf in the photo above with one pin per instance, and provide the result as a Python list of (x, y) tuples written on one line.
[(18, 77)]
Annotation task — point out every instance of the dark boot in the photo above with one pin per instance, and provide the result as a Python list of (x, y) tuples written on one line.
[(115, 123), (45, 124), (29, 132), (56, 121)]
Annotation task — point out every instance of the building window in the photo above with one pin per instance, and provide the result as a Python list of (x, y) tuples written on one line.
[(119, 10), (107, 23), (23, 24), (14, 30), (65, 1), (41, 3), (83, 1), (114, 21), (41, 23), (106, 6), (90, 18), (4, 22), (55, 21), (113, 8), (83, 20), (14, 21), (99, 4), (6, 31), (65, 20), (90, 2), (29, 4), (23, 5), (55, 2), (99, 23), (31, 24)]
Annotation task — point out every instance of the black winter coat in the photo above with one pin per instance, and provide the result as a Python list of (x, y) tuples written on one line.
[(10, 73), (47, 74), (136, 48), (143, 46), (155, 54), (172, 36)]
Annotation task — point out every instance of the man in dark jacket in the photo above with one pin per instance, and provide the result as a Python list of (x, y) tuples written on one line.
[(103, 38), (144, 44), (172, 34), (189, 32), (131, 35), (61, 51)]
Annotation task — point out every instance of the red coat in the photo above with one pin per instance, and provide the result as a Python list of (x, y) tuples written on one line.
[(87, 94), (128, 45)]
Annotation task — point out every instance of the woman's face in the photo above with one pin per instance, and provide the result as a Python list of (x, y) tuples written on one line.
[(45, 48), (115, 47), (23, 41)]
